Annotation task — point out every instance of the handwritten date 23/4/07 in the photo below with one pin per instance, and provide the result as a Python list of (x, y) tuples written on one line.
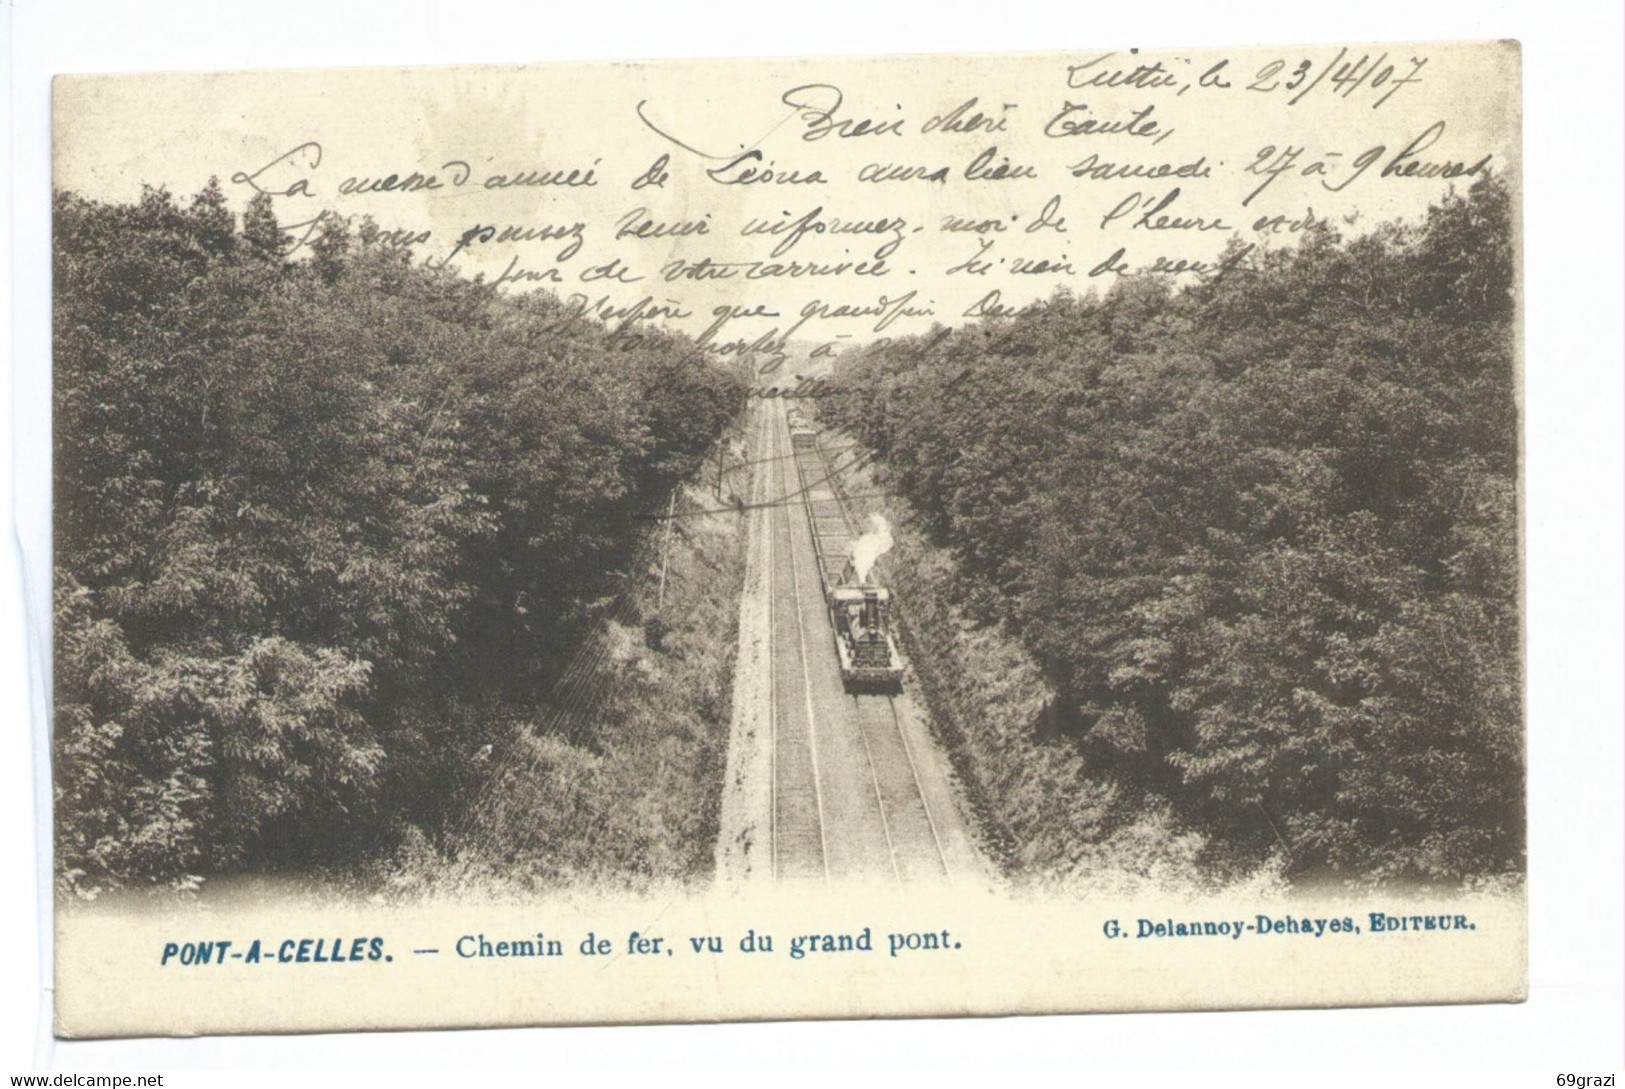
[(1378, 78)]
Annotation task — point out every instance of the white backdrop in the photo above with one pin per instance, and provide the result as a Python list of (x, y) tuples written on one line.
[(1574, 401)]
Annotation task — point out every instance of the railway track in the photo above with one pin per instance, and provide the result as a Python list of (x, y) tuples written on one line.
[(848, 794), (895, 730), (800, 847)]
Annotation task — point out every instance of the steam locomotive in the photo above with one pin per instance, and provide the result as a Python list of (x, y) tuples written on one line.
[(859, 607)]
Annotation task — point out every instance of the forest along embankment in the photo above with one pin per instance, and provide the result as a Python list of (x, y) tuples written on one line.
[(1229, 573), (1039, 810), (329, 530), (616, 776)]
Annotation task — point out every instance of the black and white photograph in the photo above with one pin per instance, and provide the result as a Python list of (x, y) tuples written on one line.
[(825, 537)]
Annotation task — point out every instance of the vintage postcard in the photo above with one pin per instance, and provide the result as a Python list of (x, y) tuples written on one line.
[(798, 538)]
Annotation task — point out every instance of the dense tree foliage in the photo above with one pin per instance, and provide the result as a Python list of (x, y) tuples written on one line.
[(1261, 533), (307, 513)]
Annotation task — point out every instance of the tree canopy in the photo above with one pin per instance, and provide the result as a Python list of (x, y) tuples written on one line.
[(304, 508), (1261, 533)]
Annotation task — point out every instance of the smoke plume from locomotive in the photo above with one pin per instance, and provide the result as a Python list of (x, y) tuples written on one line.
[(870, 547)]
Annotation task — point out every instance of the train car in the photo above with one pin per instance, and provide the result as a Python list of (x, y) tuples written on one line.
[(859, 607), (803, 435), (863, 642)]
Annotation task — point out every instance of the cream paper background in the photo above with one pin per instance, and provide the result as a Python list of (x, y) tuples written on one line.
[(1574, 569), (337, 129), (1013, 955), (1036, 952)]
